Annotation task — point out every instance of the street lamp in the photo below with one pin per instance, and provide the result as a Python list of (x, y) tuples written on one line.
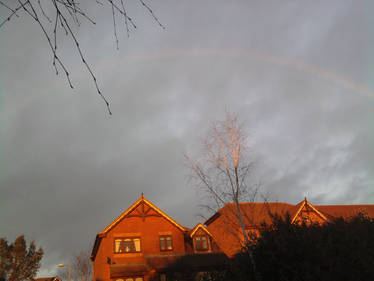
[(69, 267)]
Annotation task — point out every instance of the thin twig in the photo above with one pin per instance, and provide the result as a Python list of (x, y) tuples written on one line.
[(68, 13)]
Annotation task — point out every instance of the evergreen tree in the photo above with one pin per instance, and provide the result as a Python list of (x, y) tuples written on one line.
[(17, 262), (340, 250)]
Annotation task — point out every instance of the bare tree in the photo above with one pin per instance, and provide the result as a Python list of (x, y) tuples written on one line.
[(56, 17), (82, 266), (222, 175)]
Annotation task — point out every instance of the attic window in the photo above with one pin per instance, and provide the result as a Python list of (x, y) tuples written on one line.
[(166, 243), (127, 245), (201, 243)]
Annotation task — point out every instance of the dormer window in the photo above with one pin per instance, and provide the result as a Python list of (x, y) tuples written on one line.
[(127, 245), (201, 243), (201, 239)]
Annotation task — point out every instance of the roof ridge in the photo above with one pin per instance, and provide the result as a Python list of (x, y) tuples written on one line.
[(346, 205), (264, 203)]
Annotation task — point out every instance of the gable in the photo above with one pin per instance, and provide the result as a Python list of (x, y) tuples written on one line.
[(199, 229), (200, 232), (308, 213), (142, 208)]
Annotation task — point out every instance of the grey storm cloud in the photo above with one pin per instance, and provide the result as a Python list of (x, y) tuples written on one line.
[(296, 73)]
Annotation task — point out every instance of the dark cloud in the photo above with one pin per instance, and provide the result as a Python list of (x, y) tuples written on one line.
[(295, 73)]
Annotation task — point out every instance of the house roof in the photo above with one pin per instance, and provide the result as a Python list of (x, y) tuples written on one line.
[(161, 263), (124, 270), (346, 210), (95, 247), (253, 213), (198, 262), (256, 213)]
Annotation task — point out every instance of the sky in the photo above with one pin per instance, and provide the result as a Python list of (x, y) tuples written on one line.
[(298, 74)]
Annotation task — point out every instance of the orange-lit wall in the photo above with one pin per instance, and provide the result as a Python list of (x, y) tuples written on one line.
[(148, 231)]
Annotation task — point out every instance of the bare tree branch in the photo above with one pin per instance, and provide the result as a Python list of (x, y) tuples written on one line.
[(65, 15)]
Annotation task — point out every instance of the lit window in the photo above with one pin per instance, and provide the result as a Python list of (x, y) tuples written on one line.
[(166, 243), (201, 243), (133, 279), (127, 245)]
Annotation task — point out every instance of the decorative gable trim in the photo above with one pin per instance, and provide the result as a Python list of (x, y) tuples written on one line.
[(306, 203), (199, 225), (133, 207)]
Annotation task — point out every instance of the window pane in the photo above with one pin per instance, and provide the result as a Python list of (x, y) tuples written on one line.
[(122, 246), (168, 243), (162, 243), (204, 242), (127, 245), (129, 279), (117, 244), (137, 245), (139, 279), (198, 243)]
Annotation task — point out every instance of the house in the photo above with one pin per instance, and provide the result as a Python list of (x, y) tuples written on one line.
[(144, 243), (227, 233)]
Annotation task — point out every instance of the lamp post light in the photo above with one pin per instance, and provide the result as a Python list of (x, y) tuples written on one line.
[(69, 267)]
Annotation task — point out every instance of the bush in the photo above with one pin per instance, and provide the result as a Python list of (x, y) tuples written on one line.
[(340, 250)]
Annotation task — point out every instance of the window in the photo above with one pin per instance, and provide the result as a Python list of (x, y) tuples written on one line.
[(166, 243), (127, 245), (201, 243), (253, 233), (132, 279), (162, 277)]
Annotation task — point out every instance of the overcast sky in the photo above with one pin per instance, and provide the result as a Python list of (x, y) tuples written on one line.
[(298, 73)]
